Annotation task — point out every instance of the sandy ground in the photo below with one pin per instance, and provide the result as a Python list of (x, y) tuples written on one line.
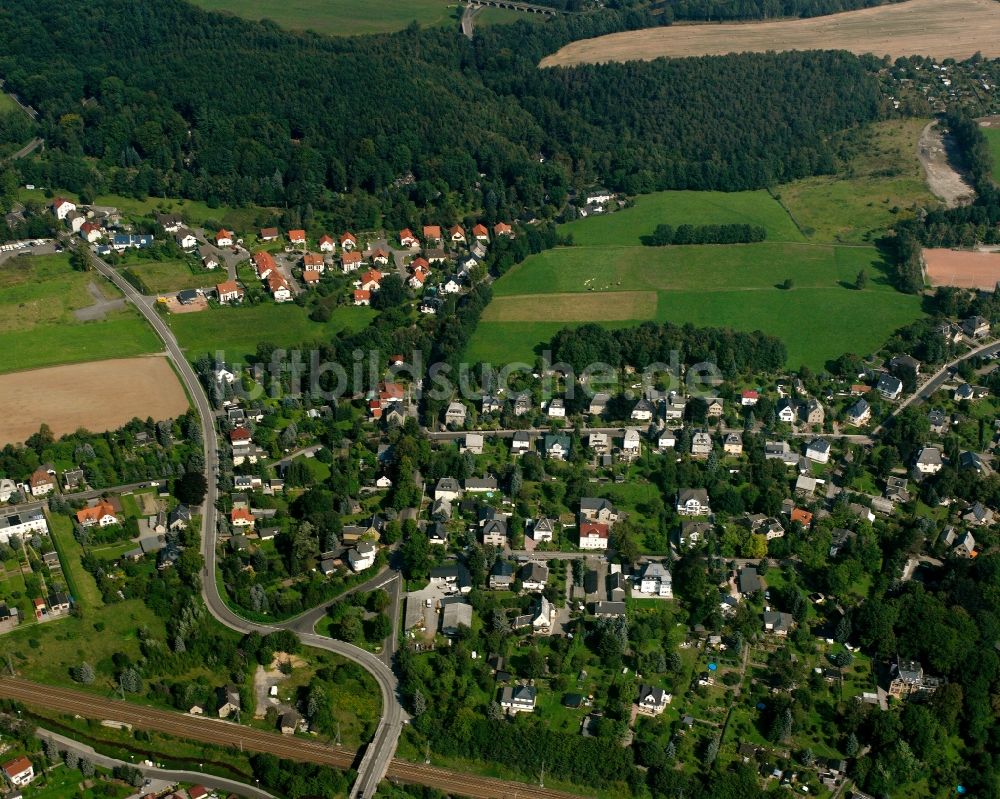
[(98, 396), (936, 152), (962, 268), (199, 304), (937, 28)]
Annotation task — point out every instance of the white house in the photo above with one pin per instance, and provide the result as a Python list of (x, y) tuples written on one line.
[(185, 239), (818, 450), (544, 529), (929, 461), (557, 409), (656, 581), (62, 208), (362, 556), (652, 701), (594, 535), (786, 411), (632, 443), (693, 502), (19, 771), (224, 238), (18, 525), (518, 698)]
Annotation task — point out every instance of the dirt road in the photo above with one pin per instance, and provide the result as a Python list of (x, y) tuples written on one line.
[(938, 156)]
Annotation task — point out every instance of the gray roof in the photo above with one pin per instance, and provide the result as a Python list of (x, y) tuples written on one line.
[(749, 580)]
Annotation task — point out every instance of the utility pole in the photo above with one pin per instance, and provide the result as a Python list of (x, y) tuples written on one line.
[(427, 754), (541, 782), (10, 665), (338, 733)]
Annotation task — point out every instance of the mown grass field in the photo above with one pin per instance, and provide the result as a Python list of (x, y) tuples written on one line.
[(881, 181), (175, 275), (38, 295), (340, 17), (735, 286), (238, 331), (7, 103), (993, 138)]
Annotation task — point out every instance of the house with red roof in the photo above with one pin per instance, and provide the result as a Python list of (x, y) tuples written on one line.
[(749, 398), (297, 236), (362, 297), (456, 234), (432, 234), (348, 242), (350, 261), (90, 232), (407, 239), (371, 279), (263, 264), (418, 278), (102, 515), (313, 261), (240, 435), (268, 234), (481, 233), (594, 535), (327, 244), (380, 257), (62, 207), (224, 238), (503, 229), (310, 277), (802, 516), (279, 288), (197, 792), (19, 771), (229, 291), (241, 517)]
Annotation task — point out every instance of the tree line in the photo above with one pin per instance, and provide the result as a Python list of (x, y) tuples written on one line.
[(665, 235)]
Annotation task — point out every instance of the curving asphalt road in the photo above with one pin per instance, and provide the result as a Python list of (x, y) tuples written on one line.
[(152, 773), (380, 751)]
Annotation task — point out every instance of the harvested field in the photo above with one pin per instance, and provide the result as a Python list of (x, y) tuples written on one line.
[(962, 268), (98, 396), (618, 306), (955, 29)]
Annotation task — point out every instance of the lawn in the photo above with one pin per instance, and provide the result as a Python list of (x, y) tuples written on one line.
[(881, 181), (238, 331), (81, 583), (340, 17), (993, 139), (61, 782), (7, 103), (40, 294), (710, 285), (169, 276)]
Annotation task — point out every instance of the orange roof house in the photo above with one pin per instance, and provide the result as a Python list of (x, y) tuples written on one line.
[(263, 264), (312, 260), (297, 236), (432, 233), (502, 229), (407, 239), (362, 297), (241, 517), (101, 514), (480, 232), (456, 233), (326, 243), (348, 242), (268, 234), (310, 277), (803, 517)]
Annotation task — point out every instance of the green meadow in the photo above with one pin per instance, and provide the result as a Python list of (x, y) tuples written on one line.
[(736, 286), (237, 331), (993, 139)]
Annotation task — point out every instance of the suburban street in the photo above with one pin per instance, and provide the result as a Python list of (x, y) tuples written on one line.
[(382, 748)]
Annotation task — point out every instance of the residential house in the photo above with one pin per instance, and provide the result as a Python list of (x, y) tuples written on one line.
[(185, 239), (371, 280), (907, 678), (72, 480), (965, 547), (224, 238), (310, 277), (350, 261), (437, 533), (380, 257), (518, 698), (456, 234), (491, 403), (665, 440), (802, 516), (362, 297), (889, 386), (713, 409), (543, 615), (288, 724), (480, 233), (767, 526), (733, 444), (557, 446), (62, 208), (812, 412), (42, 481), (455, 414), (594, 535), (501, 575), (968, 392), (448, 488), (432, 234), (780, 450), (748, 580), (362, 556), (19, 771), (598, 509), (19, 525), (693, 502), (348, 242), (805, 485), (297, 236), (473, 443), (599, 443), (818, 450), (229, 701), (522, 404), (241, 518), (263, 264), (599, 403), (209, 256), (860, 413), (495, 532), (520, 443), (896, 490), (455, 614), (327, 244), (228, 291), (534, 576), (652, 701), (481, 485), (644, 411), (609, 610), (503, 229), (268, 234), (701, 444), (749, 398), (785, 411), (976, 327), (313, 261), (544, 529), (101, 514), (631, 443), (91, 232), (407, 239), (971, 461), (656, 581), (904, 362), (693, 533), (557, 409), (778, 623)]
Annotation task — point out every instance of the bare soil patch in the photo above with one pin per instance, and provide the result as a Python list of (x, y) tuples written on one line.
[(939, 156), (175, 306), (99, 396), (610, 306), (936, 28), (969, 269)]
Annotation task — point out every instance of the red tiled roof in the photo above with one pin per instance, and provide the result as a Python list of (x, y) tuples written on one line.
[(371, 276), (362, 294), (419, 264), (348, 237), (325, 239), (501, 228), (241, 514), (593, 530), (310, 276), (296, 235), (96, 513), (228, 287), (351, 258), (269, 233), (263, 261), (804, 517), (480, 230), (312, 259), (239, 434), (18, 765), (432, 231)]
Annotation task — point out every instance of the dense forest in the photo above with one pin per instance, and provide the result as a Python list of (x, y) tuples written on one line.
[(170, 100), (665, 235)]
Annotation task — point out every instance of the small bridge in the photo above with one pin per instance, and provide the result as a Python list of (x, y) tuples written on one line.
[(513, 5)]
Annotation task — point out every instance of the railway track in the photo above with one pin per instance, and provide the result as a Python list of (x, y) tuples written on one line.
[(227, 734)]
